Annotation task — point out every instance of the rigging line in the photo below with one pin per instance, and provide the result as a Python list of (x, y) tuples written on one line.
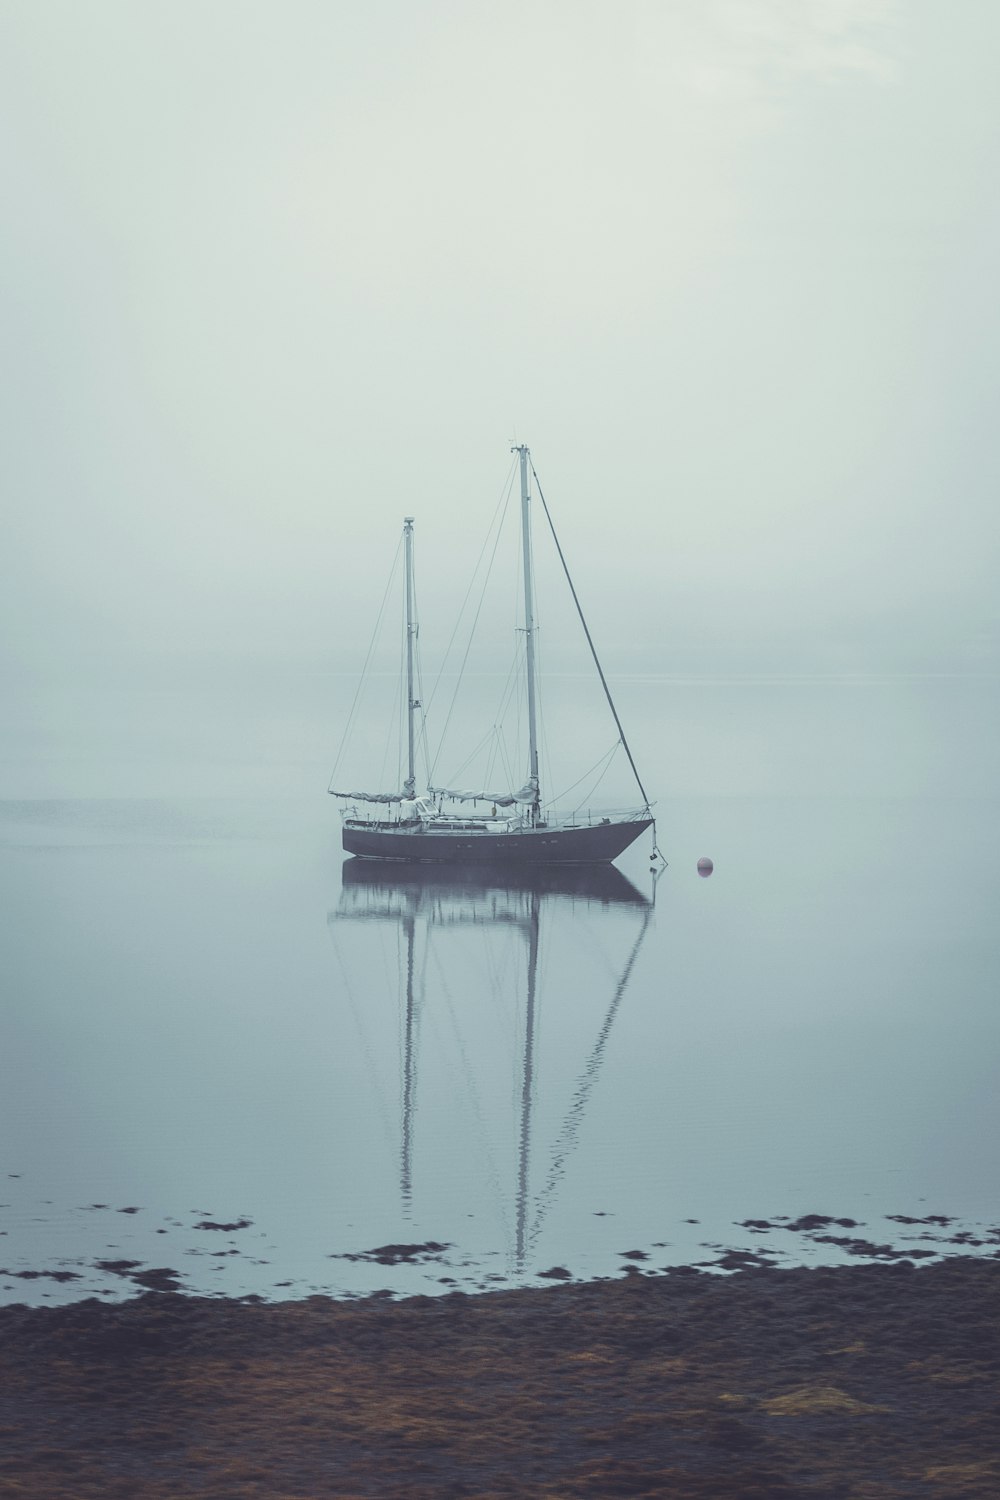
[(548, 778), (490, 760), (498, 770), (501, 505), (541, 698), (473, 753), (394, 726), (364, 670), (517, 702), (395, 722), (504, 757), (495, 729), (468, 648), (591, 790), (420, 680), (404, 709), (520, 694), (509, 683), (506, 692), (590, 643), (601, 758)]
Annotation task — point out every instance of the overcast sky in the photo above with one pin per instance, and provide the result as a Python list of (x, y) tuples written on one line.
[(274, 275)]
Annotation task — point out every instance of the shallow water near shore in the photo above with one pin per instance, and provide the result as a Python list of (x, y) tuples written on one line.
[(234, 1063)]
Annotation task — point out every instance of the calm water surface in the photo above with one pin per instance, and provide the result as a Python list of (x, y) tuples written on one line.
[(228, 1053)]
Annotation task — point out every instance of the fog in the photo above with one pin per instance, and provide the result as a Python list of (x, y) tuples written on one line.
[(275, 276)]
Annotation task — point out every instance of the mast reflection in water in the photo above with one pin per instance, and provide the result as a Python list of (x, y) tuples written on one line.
[(484, 935)]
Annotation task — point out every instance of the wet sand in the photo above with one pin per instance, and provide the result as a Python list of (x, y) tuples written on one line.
[(861, 1381)]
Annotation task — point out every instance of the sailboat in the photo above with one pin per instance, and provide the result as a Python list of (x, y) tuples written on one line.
[(515, 828)]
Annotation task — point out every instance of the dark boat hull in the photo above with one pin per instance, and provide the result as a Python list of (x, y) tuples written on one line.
[(588, 844)]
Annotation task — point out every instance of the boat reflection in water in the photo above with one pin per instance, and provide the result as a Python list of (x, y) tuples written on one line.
[(447, 922)]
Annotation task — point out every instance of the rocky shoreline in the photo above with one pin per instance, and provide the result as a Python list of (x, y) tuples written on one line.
[(863, 1381)]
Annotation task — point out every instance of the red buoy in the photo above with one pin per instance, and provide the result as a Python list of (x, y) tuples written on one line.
[(705, 868)]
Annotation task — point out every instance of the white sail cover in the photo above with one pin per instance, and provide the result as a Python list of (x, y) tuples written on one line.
[(526, 796), (406, 795), (373, 796)]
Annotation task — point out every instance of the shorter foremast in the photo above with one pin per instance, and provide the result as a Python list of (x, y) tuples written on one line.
[(529, 632), (408, 790)]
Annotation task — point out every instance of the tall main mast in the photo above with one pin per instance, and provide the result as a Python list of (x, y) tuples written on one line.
[(529, 628), (411, 629)]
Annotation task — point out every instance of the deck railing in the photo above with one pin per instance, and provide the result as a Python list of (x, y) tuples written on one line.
[(551, 818)]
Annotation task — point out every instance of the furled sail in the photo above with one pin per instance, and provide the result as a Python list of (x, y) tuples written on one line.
[(406, 795), (371, 796), (527, 795)]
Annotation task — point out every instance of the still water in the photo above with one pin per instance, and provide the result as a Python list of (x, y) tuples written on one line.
[(231, 1056)]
